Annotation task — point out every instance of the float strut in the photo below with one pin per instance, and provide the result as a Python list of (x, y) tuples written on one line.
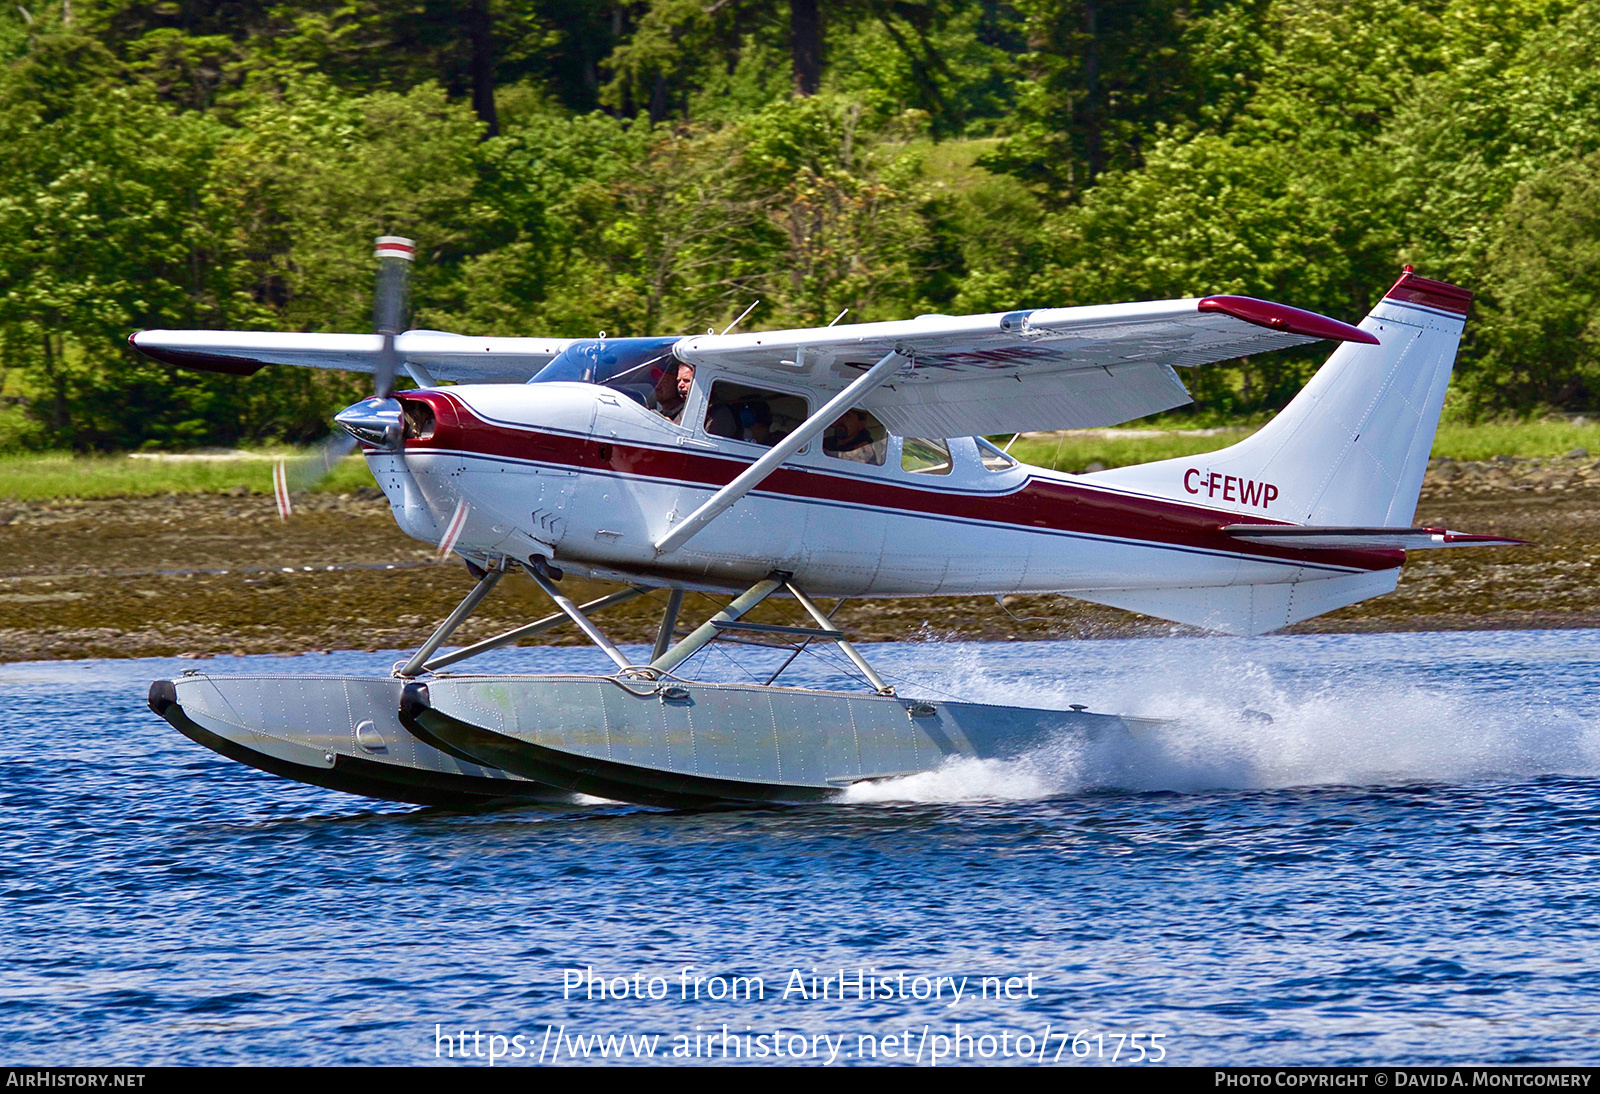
[(669, 624), (538, 626), (485, 584), (574, 613), (849, 651), (704, 633)]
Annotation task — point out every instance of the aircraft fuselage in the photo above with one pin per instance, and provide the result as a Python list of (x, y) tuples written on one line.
[(588, 477)]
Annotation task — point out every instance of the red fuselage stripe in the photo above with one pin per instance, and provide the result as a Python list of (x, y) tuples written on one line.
[(1040, 503)]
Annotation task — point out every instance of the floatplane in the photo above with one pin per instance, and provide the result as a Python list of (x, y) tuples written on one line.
[(840, 461)]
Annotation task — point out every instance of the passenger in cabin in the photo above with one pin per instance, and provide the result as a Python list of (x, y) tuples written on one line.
[(755, 424), (742, 413), (746, 420), (672, 393), (856, 436)]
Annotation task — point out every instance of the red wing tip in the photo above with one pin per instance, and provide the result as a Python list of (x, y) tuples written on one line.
[(1273, 316), (1442, 295), (198, 359)]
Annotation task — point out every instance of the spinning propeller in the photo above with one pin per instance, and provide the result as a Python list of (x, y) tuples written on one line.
[(379, 420)]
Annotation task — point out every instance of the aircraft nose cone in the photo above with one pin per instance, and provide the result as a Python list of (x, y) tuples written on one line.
[(373, 421)]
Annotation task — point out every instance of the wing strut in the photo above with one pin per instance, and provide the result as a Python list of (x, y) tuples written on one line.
[(752, 476)]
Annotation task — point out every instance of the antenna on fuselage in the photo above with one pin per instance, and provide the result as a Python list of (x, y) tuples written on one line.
[(742, 314)]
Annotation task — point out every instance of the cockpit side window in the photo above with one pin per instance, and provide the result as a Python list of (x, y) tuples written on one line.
[(993, 458), (922, 456), (744, 413), (857, 436)]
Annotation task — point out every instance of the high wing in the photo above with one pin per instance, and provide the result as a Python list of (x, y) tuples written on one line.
[(1051, 368), (439, 355)]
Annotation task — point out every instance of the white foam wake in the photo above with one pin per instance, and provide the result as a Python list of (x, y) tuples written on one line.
[(1341, 715)]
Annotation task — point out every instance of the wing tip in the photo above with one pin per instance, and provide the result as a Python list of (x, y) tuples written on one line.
[(196, 359), (1281, 317)]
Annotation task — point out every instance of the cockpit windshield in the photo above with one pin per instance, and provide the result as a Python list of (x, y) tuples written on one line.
[(633, 366)]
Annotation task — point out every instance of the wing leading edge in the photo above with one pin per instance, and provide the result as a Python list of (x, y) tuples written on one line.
[(444, 356)]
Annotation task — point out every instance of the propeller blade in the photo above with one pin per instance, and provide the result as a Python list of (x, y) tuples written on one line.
[(303, 473), (452, 531), (280, 489), (378, 421), (308, 471), (390, 303)]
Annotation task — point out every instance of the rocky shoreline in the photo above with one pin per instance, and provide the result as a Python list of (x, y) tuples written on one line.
[(206, 575)]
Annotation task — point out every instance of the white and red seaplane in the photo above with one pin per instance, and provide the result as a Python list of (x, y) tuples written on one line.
[(843, 461)]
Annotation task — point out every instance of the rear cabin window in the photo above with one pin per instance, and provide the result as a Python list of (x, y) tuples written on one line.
[(856, 436), (925, 457), (751, 414)]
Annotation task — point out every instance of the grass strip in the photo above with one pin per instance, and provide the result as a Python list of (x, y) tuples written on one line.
[(1077, 450), (48, 476)]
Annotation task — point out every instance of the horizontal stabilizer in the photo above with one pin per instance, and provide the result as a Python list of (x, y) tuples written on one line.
[(1347, 539)]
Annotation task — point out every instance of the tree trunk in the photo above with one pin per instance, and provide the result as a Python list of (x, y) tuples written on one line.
[(805, 45), (658, 98), (59, 417), (480, 30), (1093, 122)]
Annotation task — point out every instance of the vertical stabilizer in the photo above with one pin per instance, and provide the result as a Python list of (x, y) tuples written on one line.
[(1352, 447), (1349, 451)]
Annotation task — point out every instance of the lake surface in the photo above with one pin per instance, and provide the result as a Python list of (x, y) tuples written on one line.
[(1399, 868)]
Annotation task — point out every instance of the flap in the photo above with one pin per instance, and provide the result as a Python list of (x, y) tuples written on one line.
[(1051, 368)]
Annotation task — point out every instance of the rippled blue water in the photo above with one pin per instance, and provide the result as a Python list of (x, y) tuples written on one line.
[(1399, 868)]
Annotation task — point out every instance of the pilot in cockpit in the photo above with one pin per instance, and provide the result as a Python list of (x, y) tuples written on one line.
[(672, 392)]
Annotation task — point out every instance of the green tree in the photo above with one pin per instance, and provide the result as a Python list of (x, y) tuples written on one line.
[(1539, 335), (104, 231), (942, 57), (1100, 78)]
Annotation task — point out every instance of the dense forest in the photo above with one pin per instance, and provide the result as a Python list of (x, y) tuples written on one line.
[(570, 166)]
